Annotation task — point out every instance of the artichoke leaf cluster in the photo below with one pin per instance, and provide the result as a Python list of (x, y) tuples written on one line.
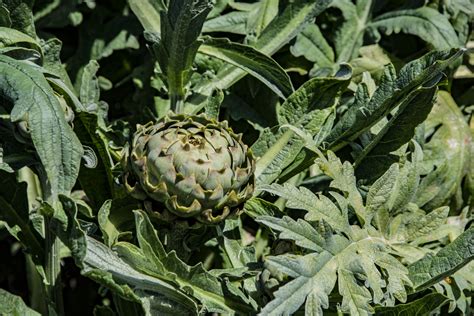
[(196, 167)]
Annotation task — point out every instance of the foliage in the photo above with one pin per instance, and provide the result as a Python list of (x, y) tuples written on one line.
[(359, 115)]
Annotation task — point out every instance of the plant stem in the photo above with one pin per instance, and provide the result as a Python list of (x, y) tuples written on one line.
[(35, 287), (52, 248), (53, 269), (177, 104)]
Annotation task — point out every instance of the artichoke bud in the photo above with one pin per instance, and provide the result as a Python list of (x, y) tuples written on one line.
[(194, 166)]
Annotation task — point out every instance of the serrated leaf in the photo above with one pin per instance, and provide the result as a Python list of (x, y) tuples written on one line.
[(343, 178), (398, 131), (318, 208), (299, 231), (309, 108), (366, 110), (152, 258), (104, 266), (315, 275)]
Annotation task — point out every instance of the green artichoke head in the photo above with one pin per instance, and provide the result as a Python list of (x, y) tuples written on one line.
[(195, 166)]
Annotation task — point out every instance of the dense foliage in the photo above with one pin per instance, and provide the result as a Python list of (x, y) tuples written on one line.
[(268, 157)]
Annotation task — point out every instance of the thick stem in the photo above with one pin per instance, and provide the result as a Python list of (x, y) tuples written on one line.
[(35, 287), (177, 104), (53, 269), (176, 91), (52, 248)]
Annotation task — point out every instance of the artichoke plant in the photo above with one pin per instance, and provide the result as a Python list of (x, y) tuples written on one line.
[(196, 167)]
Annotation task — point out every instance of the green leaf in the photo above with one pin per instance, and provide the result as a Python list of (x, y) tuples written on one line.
[(349, 37), (259, 65), (116, 219), (148, 12), (236, 256), (398, 131), (280, 31), (367, 110), (21, 16), (260, 17), (213, 105), (152, 259), (319, 208), (100, 37), (11, 37), (52, 61), (422, 306), (105, 267), (34, 101), (232, 22), (300, 231), (14, 306), (309, 107), (5, 20), (343, 179), (89, 93), (433, 268), (315, 274), (311, 44), (446, 154), (258, 207), (392, 192), (425, 22)]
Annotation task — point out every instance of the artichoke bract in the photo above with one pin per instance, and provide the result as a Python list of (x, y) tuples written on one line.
[(195, 166)]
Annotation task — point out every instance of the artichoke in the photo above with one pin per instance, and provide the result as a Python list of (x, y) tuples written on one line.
[(195, 166)]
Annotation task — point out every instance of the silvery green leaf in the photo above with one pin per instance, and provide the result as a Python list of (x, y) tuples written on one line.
[(367, 110), (446, 154), (309, 108), (300, 231)]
